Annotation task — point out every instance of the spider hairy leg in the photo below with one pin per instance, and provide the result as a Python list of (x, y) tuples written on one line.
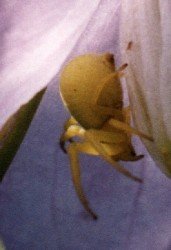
[(73, 150)]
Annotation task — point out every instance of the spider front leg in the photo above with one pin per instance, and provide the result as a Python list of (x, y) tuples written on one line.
[(71, 121), (73, 149), (71, 131)]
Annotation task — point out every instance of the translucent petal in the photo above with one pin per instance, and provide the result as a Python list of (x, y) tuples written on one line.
[(36, 37), (147, 25)]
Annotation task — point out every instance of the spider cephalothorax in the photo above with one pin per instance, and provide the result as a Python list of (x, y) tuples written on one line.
[(90, 88)]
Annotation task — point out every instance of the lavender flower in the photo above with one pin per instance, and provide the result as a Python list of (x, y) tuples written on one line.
[(146, 25)]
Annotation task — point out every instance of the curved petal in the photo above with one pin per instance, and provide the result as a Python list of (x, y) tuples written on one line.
[(147, 26), (35, 38)]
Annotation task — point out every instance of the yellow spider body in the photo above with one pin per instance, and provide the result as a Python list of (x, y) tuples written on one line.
[(81, 81), (90, 88)]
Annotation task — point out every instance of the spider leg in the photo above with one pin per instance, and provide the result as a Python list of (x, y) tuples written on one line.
[(69, 122), (92, 137), (109, 137), (71, 131), (114, 143), (105, 81), (127, 129), (127, 114), (127, 119), (114, 75), (73, 150)]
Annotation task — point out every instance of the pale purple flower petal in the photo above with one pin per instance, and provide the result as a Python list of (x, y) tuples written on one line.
[(36, 37), (147, 26)]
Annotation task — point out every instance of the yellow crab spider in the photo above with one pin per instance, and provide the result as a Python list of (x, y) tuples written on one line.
[(91, 90)]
